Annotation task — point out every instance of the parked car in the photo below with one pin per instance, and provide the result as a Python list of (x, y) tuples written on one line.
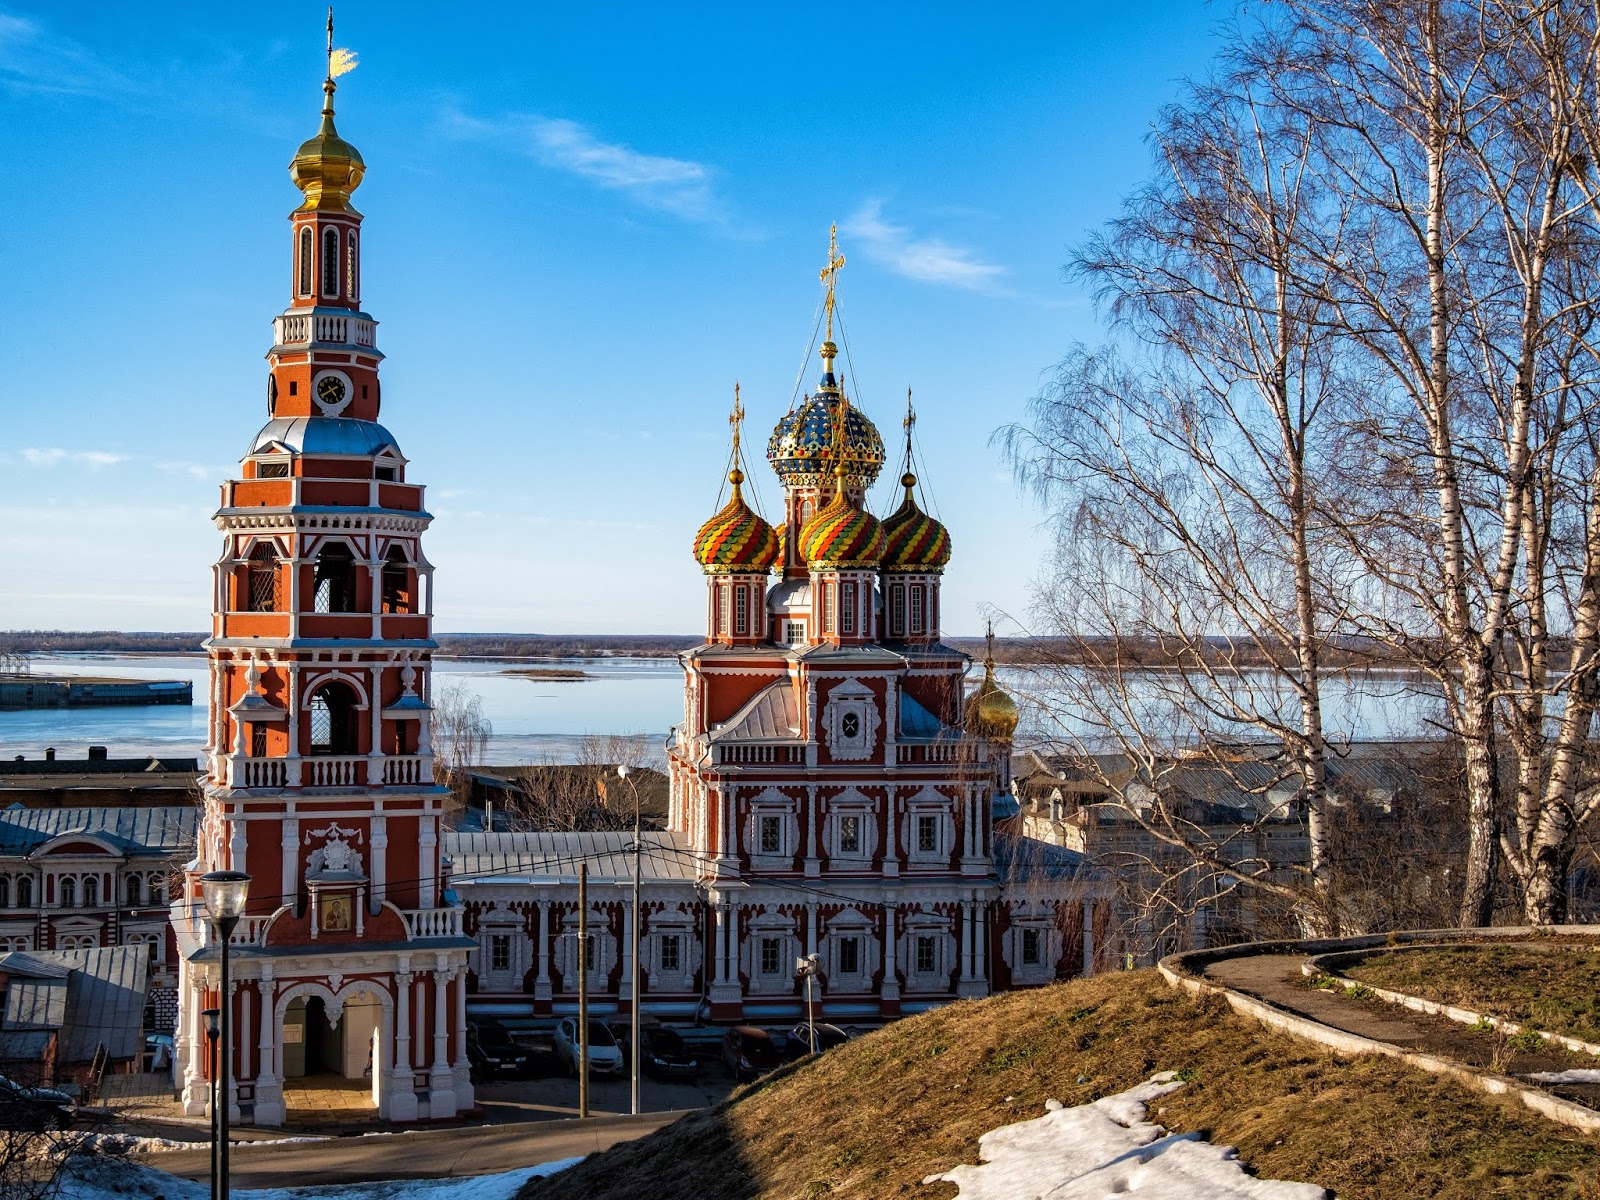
[(798, 1043), (491, 1050), (34, 1107), (605, 1056), (749, 1053), (664, 1055)]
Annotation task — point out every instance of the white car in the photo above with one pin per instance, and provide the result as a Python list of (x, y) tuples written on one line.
[(605, 1056)]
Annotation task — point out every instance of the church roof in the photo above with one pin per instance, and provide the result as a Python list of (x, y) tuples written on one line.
[(323, 436), (735, 540), (487, 858), (772, 714)]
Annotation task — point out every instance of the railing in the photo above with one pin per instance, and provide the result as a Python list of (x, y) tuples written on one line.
[(940, 752), (432, 922), (190, 921), (331, 771), (258, 772), (408, 768), (760, 754), (301, 329)]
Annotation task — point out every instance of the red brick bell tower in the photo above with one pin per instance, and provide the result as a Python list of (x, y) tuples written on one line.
[(350, 959)]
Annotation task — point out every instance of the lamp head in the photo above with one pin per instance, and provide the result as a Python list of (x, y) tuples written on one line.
[(213, 1017), (224, 893), (622, 770)]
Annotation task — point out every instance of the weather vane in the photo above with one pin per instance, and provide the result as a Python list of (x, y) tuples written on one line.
[(909, 423), (835, 261), (340, 61)]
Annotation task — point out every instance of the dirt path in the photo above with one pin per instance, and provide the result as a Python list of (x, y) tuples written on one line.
[(431, 1154)]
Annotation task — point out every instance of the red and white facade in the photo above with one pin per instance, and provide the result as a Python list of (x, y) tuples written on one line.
[(319, 780)]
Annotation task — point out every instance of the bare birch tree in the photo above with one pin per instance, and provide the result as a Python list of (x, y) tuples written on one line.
[(1187, 476)]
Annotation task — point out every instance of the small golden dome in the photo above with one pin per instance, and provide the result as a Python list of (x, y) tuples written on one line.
[(990, 712), (327, 168)]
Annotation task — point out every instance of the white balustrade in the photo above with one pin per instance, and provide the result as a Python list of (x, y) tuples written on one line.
[(257, 772), (333, 771), (432, 922), (301, 329), (408, 768)]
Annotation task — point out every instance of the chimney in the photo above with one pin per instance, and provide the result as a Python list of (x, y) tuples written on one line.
[(49, 754), (97, 754)]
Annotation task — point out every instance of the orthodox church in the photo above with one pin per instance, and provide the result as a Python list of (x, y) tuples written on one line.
[(833, 780)]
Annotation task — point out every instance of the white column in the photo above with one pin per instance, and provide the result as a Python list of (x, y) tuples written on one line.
[(379, 860), (290, 890), (269, 1081), (195, 1093), (891, 982), (236, 832), (441, 1075), (427, 863), (725, 976), (403, 1089), (813, 866), (463, 1070), (541, 983), (625, 984)]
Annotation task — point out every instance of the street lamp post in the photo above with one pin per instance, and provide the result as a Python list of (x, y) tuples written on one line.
[(633, 983), (808, 967), (211, 1015), (224, 894)]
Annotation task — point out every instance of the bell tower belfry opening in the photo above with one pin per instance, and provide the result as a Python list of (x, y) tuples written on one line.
[(319, 782)]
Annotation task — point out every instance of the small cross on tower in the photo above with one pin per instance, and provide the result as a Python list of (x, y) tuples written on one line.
[(829, 272)]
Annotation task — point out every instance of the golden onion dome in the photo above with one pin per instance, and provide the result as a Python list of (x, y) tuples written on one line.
[(914, 542), (735, 541), (990, 712), (841, 537), (327, 168)]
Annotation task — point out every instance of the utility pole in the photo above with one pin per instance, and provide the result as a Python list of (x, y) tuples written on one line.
[(633, 1029), (583, 989)]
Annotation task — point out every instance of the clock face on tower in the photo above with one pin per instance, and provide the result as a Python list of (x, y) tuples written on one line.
[(332, 392)]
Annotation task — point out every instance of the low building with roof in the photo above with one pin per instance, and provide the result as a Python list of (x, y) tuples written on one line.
[(72, 1015)]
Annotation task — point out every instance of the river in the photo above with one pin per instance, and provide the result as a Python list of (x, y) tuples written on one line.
[(540, 720)]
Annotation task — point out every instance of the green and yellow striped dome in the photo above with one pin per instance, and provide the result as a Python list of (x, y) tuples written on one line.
[(841, 537), (913, 541), (735, 541)]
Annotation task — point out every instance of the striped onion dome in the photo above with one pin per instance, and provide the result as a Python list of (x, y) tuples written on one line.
[(841, 537), (914, 542), (735, 541), (783, 537)]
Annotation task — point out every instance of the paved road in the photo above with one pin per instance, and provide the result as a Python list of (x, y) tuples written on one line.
[(428, 1154)]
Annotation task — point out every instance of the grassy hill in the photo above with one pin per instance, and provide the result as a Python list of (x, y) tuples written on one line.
[(873, 1118)]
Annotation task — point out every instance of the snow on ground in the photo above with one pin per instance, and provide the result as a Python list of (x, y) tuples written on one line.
[(111, 1179), (1579, 1075), (1107, 1148)]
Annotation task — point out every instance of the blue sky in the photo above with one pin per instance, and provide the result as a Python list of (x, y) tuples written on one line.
[(584, 223)]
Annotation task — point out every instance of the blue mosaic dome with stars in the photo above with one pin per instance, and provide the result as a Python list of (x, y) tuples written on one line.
[(801, 447)]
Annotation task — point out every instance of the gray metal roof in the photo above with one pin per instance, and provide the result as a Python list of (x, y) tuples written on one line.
[(772, 714), (554, 857), (1021, 861), (103, 1001), (323, 435), (23, 963), (156, 831), (918, 724), (23, 1046)]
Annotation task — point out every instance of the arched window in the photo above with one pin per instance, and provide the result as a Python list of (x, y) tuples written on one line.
[(741, 609), (91, 892), (350, 266), (334, 720), (69, 892), (307, 247), (25, 891), (335, 580), (847, 608), (264, 580), (5, 891), (396, 582), (134, 886), (897, 610), (330, 262)]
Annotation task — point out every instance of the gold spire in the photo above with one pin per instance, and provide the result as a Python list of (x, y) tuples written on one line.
[(829, 277), (988, 651), (909, 480), (327, 168), (736, 423), (991, 713), (840, 415)]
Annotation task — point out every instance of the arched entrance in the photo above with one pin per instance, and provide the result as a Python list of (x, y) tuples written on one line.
[(331, 1052)]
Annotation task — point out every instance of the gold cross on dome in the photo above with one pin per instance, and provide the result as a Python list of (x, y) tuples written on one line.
[(829, 272), (736, 420), (908, 424)]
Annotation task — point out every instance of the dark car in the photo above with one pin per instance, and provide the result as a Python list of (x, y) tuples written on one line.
[(665, 1054), (798, 1043), (34, 1107), (491, 1051), (749, 1053)]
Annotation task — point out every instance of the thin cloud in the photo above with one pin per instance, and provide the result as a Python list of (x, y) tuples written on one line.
[(50, 456), (925, 259), (678, 186), (34, 60)]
